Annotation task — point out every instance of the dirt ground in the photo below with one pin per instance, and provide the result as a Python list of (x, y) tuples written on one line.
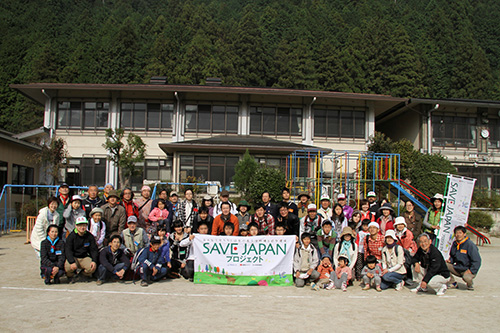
[(27, 304)]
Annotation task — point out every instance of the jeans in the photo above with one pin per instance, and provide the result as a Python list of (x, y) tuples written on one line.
[(391, 278), (103, 273), (299, 283), (147, 273)]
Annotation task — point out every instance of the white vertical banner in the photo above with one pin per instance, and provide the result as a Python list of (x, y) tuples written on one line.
[(456, 211)]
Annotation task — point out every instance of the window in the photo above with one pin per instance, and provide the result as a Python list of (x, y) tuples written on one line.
[(211, 118), (270, 120), (208, 167), (147, 116), (152, 169), (453, 131), (494, 128), (82, 115), (3, 173), (339, 123), (22, 175)]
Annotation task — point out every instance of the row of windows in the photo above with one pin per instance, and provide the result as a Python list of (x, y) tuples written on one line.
[(453, 131), (21, 175), (264, 120)]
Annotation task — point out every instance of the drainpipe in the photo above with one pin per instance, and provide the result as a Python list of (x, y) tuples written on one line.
[(177, 117), (304, 135), (50, 113), (429, 123)]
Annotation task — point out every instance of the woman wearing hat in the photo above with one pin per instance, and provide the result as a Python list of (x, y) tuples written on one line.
[(243, 215), (208, 202), (385, 221), (303, 204), (433, 215), (393, 258), (72, 212), (346, 247)]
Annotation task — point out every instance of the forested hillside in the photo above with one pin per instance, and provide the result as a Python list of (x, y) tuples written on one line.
[(418, 48)]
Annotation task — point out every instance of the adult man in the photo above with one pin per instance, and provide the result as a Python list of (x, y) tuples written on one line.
[(325, 210), (372, 200), (292, 207), (430, 269), (134, 238), (113, 262), (303, 203), (81, 251), (92, 200), (144, 204), (173, 199), (224, 197), (290, 220), (264, 220), (63, 199), (223, 217), (348, 210), (114, 216), (107, 188), (464, 258), (268, 205), (374, 242), (311, 224)]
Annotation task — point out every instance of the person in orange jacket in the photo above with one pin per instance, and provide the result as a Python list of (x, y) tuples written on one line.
[(225, 216)]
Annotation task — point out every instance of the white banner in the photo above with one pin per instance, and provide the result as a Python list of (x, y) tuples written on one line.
[(259, 260), (456, 211)]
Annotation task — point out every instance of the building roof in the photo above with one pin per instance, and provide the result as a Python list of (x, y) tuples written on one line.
[(37, 132), (239, 144), (9, 137)]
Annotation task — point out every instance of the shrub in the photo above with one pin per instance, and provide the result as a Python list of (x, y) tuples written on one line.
[(486, 199), (267, 179), (480, 220)]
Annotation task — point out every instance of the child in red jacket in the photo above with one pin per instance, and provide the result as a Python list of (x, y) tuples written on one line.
[(325, 270)]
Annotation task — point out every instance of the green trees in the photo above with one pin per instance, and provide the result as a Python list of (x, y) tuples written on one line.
[(267, 179), (244, 171), (53, 158)]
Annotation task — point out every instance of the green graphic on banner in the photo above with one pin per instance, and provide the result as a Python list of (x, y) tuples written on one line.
[(243, 280)]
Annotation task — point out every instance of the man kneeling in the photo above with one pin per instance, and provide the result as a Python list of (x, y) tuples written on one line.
[(464, 259), (81, 251), (113, 261), (150, 261)]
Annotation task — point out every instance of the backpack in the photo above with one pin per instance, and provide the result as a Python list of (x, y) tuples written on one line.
[(135, 260)]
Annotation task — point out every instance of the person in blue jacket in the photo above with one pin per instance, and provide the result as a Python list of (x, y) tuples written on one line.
[(464, 258), (150, 262), (113, 261)]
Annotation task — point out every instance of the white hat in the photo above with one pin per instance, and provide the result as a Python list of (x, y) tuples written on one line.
[(341, 196), (371, 194), (81, 220), (400, 220), (311, 207), (76, 197), (373, 224), (325, 197), (437, 196), (391, 233)]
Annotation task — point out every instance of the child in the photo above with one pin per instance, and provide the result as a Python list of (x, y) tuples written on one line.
[(188, 271), (355, 221), (360, 241), (326, 239), (72, 212), (342, 275), (158, 216), (164, 247), (243, 215), (150, 261), (97, 227), (280, 229), (244, 230), (371, 273), (203, 217), (324, 269), (346, 247), (208, 203), (339, 222), (365, 211), (305, 261), (253, 229), (228, 229), (52, 256), (178, 252)]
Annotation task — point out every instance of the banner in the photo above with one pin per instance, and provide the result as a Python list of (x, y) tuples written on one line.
[(456, 211), (258, 260)]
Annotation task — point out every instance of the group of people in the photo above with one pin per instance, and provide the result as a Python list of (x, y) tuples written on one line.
[(119, 237)]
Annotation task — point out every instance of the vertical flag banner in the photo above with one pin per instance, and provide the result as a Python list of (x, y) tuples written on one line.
[(456, 211), (259, 260)]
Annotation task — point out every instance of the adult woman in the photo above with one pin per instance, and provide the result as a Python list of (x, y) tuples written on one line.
[(393, 258), (208, 202), (128, 203), (52, 256), (188, 209), (46, 216), (412, 219), (433, 215), (386, 220), (366, 214), (346, 247)]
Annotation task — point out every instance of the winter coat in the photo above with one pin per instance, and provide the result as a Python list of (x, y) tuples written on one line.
[(292, 224), (197, 221), (39, 232), (109, 259), (465, 256), (432, 261), (312, 259), (54, 258), (187, 217), (218, 226), (158, 214), (70, 215), (405, 239), (353, 254), (131, 208), (413, 222), (115, 221), (89, 204), (81, 247)]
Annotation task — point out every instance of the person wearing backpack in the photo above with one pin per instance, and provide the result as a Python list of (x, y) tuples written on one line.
[(144, 207), (393, 259)]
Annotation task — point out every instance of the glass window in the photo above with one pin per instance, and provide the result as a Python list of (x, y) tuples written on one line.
[(453, 131), (204, 118), (82, 115), (209, 167), (146, 116), (320, 122), (211, 118), (3, 173), (153, 115), (275, 120), (255, 120), (339, 123), (167, 115), (22, 175), (346, 124), (332, 118)]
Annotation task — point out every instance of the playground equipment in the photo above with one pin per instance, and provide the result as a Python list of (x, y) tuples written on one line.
[(353, 173)]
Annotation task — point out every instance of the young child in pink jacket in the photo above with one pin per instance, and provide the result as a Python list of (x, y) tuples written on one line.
[(158, 216), (342, 275)]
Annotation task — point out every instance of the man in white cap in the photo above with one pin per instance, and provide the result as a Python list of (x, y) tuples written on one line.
[(325, 210), (374, 242), (311, 223), (81, 251), (224, 197), (371, 197), (348, 210), (144, 204)]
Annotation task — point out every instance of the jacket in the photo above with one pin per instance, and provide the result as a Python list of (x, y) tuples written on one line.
[(158, 215), (63, 204), (385, 223), (89, 204), (54, 258), (39, 231), (70, 216), (292, 208), (302, 209), (376, 271), (348, 210), (98, 230), (81, 247), (346, 269), (394, 259), (367, 216), (312, 257), (144, 206), (218, 226), (135, 241), (177, 251), (115, 220), (405, 239), (326, 214), (149, 258), (465, 256), (324, 272), (243, 219), (265, 223), (353, 254), (413, 222), (292, 224), (432, 261), (310, 226), (187, 218), (109, 259), (197, 221), (327, 241), (130, 208), (272, 209)]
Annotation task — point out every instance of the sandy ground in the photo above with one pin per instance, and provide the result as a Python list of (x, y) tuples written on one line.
[(27, 304)]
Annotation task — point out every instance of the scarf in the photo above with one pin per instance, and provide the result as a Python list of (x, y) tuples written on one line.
[(390, 246), (346, 249), (52, 244), (460, 243)]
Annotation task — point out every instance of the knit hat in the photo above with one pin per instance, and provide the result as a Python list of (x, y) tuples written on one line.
[(146, 188), (113, 193), (347, 231), (311, 207), (304, 194), (374, 224), (391, 233), (96, 210), (132, 219), (371, 194), (399, 220), (81, 220), (387, 206)]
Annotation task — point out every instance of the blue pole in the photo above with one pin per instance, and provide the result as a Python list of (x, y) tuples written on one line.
[(399, 181)]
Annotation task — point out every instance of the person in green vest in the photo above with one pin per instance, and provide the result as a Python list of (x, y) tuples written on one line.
[(433, 215)]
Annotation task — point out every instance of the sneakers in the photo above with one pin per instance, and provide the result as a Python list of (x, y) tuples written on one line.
[(314, 286), (454, 285), (99, 282), (442, 290), (366, 287), (470, 287), (330, 286), (399, 286), (344, 286), (418, 290), (144, 283), (377, 288)]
